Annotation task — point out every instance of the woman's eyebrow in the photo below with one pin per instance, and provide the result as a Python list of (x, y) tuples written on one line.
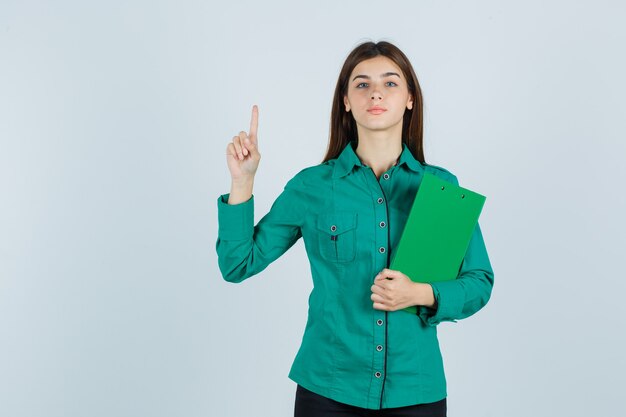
[(386, 74)]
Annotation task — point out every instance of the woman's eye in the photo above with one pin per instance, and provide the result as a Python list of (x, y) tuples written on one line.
[(361, 85), (391, 84)]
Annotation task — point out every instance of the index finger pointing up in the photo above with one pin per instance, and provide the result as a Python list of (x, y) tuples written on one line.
[(254, 123)]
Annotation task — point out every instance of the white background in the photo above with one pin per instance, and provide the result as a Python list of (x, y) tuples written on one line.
[(114, 121)]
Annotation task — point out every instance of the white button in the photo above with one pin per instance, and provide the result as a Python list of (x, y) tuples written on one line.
[(380, 200), (379, 322), (379, 348), (333, 228), (382, 224), (381, 249), (377, 374), (386, 176)]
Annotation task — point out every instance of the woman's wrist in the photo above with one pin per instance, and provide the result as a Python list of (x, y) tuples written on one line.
[(241, 190), (424, 295)]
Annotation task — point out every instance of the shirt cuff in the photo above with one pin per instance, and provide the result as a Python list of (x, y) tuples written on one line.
[(449, 297), (235, 221)]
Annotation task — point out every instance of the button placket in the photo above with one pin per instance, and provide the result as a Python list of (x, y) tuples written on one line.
[(381, 241), (382, 237)]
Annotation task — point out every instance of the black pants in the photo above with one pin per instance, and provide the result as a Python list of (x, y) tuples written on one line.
[(310, 404)]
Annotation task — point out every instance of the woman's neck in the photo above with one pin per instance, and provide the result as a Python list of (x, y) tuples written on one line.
[(379, 151)]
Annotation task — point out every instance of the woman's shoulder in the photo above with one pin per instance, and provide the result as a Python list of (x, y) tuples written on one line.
[(314, 174), (441, 172)]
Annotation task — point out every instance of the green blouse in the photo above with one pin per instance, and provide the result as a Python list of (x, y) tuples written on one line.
[(351, 222)]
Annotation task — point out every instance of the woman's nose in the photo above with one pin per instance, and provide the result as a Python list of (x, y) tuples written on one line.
[(376, 95)]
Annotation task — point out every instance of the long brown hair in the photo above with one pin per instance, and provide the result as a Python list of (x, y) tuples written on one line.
[(342, 124)]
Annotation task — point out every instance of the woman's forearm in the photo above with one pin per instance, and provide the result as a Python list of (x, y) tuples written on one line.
[(240, 191)]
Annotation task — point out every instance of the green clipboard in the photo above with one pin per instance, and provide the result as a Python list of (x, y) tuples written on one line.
[(437, 231)]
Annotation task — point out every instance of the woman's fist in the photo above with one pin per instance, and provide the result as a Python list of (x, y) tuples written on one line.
[(392, 290), (242, 154)]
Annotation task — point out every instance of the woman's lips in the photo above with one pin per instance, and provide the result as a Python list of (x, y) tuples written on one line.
[(376, 110)]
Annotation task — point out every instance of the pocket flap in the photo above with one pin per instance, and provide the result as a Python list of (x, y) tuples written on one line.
[(336, 223)]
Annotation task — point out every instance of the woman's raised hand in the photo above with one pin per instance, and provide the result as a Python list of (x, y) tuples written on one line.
[(243, 154)]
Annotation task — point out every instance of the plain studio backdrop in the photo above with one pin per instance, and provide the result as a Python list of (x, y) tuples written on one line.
[(114, 121)]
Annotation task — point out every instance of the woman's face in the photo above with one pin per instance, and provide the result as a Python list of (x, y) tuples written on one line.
[(377, 95)]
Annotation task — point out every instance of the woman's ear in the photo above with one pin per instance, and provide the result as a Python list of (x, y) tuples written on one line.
[(346, 103), (409, 104)]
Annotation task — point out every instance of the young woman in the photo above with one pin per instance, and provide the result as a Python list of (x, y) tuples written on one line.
[(359, 355)]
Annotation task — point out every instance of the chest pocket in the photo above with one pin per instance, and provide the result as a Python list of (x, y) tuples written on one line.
[(337, 236)]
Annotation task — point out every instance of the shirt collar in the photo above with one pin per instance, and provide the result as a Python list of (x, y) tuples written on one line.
[(348, 159)]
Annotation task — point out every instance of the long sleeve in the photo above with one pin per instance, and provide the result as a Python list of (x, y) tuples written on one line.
[(464, 296), (243, 249)]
